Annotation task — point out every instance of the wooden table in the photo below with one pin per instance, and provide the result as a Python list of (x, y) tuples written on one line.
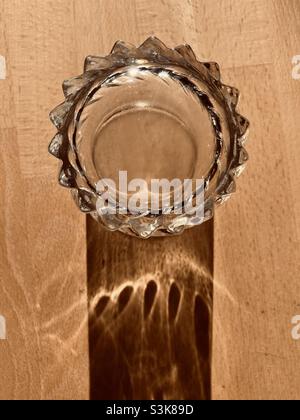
[(44, 264)]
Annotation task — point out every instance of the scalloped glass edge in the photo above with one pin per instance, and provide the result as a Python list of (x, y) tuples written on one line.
[(98, 68)]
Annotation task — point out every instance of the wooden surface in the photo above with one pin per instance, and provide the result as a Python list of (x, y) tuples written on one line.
[(43, 244)]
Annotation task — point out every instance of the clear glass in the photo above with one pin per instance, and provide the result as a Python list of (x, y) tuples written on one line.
[(157, 113)]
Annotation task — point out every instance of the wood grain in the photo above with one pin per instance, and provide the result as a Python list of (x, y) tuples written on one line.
[(43, 270), (259, 231)]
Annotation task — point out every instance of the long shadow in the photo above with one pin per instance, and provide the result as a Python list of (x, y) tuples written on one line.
[(150, 315)]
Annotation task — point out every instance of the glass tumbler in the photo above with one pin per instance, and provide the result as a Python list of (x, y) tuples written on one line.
[(149, 138)]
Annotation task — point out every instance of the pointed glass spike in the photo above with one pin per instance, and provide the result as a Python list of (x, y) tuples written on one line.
[(56, 146), (214, 70), (186, 52), (74, 85), (122, 47), (143, 230), (178, 225), (239, 170), (59, 115), (232, 94), (242, 160), (67, 177), (230, 187), (96, 63), (154, 44), (195, 221), (243, 156), (222, 199), (111, 221), (84, 200), (209, 213), (243, 125)]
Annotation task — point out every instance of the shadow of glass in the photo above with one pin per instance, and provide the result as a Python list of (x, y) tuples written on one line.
[(150, 315)]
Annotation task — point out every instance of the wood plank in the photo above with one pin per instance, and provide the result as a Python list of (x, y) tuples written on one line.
[(257, 240), (43, 270)]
